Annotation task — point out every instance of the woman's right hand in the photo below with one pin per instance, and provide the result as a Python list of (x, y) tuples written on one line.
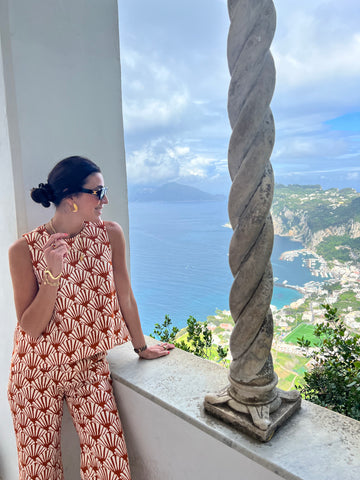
[(55, 250)]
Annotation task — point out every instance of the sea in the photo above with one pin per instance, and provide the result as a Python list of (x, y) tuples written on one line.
[(179, 262)]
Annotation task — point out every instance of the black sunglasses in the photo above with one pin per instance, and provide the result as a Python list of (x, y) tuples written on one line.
[(100, 192)]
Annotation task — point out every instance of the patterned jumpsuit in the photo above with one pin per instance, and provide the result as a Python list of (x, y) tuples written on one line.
[(68, 362)]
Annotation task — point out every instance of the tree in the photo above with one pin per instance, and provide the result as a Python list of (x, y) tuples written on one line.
[(163, 333), (334, 380), (199, 339)]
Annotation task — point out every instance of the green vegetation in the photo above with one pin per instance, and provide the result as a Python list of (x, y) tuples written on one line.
[(323, 216), (220, 317), (346, 191), (163, 332), (346, 301), (312, 199), (341, 248), (306, 306), (332, 287), (290, 368), (304, 331), (334, 380), (301, 211), (196, 338)]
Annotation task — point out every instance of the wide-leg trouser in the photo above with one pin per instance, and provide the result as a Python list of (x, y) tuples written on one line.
[(36, 401)]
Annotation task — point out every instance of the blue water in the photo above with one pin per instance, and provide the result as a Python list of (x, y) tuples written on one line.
[(179, 262)]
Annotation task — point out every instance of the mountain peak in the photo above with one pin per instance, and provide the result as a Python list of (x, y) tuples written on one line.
[(172, 192)]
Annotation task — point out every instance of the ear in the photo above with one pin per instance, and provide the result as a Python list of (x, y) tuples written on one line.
[(73, 198), (65, 206), (69, 201)]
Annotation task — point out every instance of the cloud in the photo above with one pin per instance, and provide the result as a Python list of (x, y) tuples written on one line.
[(150, 164), (178, 151), (197, 166), (160, 161), (321, 55), (175, 82), (315, 50), (153, 95), (319, 143), (154, 112)]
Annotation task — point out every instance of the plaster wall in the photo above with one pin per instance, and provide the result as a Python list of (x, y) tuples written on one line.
[(63, 94), (163, 445), (8, 233), (60, 95)]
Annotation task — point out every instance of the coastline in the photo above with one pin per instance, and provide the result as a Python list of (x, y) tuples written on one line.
[(307, 310), (347, 274)]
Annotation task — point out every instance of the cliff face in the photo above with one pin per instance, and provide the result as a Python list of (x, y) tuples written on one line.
[(350, 228), (295, 225), (292, 224)]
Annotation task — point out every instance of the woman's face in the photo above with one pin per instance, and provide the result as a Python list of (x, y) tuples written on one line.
[(89, 205)]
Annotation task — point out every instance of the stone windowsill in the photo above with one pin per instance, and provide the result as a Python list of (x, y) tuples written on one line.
[(314, 444)]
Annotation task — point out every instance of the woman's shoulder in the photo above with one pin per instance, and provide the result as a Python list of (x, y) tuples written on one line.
[(113, 228), (21, 246), (19, 249), (115, 232)]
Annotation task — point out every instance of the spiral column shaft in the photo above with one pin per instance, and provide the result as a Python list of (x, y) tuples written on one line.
[(252, 390)]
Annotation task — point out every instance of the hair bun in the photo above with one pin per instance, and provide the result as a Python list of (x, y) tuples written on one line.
[(43, 194)]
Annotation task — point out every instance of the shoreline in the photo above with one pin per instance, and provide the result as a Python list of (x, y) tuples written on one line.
[(346, 276)]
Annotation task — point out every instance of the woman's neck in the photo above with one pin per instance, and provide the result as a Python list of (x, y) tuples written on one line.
[(65, 224)]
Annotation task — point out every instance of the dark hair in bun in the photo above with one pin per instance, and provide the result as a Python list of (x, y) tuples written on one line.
[(64, 180), (42, 194)]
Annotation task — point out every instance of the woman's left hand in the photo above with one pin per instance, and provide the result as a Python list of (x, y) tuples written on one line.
[(156, 351)]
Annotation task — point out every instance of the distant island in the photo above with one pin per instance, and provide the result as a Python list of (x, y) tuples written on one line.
[(172, 192)]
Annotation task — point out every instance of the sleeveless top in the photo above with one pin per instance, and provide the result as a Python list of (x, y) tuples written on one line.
[(86, 319)]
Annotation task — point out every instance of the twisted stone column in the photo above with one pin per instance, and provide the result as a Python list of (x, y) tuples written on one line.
[(252, 396)]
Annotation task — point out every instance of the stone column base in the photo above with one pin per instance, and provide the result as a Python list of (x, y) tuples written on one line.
[(245, 417)]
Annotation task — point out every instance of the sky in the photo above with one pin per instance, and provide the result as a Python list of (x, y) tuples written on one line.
[(175, 81)]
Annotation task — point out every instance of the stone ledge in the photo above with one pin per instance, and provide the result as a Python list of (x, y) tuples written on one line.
[(315, 444)]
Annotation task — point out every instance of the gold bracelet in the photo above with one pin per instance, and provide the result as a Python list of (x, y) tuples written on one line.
[(49, 279), (51, 275)]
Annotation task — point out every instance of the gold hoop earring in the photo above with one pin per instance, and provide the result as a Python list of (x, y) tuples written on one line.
[(75, 208)]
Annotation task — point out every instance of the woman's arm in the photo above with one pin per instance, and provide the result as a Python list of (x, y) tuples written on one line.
[(34, 304), (125, 294)]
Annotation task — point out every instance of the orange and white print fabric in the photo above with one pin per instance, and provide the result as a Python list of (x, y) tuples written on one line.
[(68, 362), (36, 400), (87, 317)]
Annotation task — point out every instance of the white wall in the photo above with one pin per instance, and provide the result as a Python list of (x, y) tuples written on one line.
[(162, 445), (8, 458), (60, 95), (63, 92)]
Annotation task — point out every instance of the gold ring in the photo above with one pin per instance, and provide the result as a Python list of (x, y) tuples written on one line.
[(54, 245), (164, 347)]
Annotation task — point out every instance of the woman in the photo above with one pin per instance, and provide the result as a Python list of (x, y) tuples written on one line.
[(73, 301)]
